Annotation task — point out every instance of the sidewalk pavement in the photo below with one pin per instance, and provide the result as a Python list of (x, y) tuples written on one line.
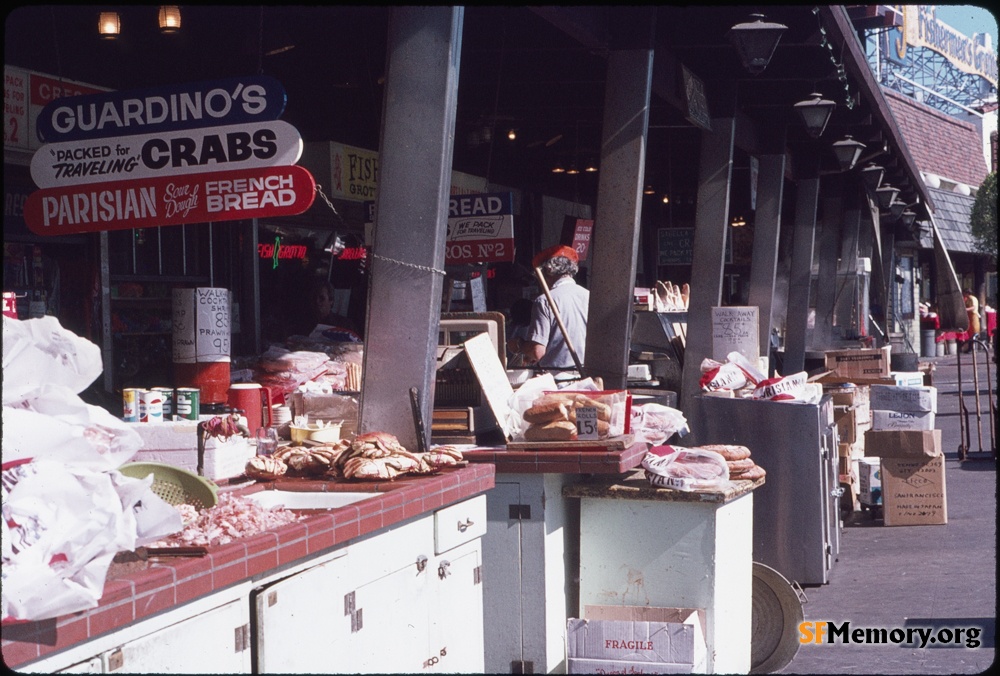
[(920, 576)]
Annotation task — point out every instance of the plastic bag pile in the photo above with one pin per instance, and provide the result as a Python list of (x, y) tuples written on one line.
[(66, 509)]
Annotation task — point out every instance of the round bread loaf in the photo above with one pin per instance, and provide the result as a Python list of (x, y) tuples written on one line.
[(753, 474), (729, 451), (737, 466)]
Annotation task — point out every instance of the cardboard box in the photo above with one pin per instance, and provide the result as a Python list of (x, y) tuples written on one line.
[(637, 640), (902, 420), (870, 481), (908, 378), (847, 424), (913, 491), (176, 443), (859, 363), (844, 450), (903, 443), (911, 399)]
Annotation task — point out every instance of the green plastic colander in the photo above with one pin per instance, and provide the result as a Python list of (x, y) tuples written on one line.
[(175, 485)]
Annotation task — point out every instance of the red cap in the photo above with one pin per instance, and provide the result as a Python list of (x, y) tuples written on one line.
[(552, 252)]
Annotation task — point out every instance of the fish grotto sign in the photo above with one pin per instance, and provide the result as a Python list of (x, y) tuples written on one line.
[(210, 151)]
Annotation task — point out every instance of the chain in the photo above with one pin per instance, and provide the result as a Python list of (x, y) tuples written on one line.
[(409, 265), (319, 191)]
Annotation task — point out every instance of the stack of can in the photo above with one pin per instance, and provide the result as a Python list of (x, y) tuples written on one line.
[(157, 404)]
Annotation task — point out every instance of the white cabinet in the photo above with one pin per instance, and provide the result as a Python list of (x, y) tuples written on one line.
[(91, 666), (530, 552), (390, 604), (214, 642), (292, 615)]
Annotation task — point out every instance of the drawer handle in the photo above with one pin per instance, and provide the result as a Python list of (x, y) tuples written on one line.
[(462, 527)]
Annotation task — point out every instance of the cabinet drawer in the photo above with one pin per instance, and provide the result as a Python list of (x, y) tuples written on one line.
[(458, 524)]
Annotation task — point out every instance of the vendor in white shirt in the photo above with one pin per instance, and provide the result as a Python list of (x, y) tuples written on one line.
[(545, 344)]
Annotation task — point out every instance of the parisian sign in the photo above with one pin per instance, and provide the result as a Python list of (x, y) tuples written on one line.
[(170, 200)]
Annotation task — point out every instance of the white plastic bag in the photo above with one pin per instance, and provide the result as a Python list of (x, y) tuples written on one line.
[(686, 469), (66, 510), (655, 423)]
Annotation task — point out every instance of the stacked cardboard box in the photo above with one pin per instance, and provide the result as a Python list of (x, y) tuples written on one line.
[(912, 464), (852, 413), (636, 640), (860, 363)]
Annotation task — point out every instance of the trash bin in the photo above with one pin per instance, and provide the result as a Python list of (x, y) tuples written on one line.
[(927, 346)]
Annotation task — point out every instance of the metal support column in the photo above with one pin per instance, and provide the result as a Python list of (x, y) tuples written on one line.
[(766, 233), (847, 299), (829, 248), (418, 128), (804, 234), (715, 169), (619, 203)]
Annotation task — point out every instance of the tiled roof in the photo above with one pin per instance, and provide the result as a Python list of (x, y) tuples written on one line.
[(953, 217), (940, 144)]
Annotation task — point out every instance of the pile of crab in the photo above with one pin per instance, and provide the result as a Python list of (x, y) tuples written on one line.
[(373, 455)]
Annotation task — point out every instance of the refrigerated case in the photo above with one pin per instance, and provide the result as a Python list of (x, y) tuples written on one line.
[(796, 518)]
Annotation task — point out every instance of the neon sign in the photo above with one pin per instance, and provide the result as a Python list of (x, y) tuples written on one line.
[(279, 251)]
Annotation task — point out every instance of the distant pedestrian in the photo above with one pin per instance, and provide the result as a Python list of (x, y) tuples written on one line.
[(972, 308), (545, 344)]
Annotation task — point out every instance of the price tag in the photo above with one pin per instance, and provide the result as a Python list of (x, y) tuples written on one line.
[(586, 423)]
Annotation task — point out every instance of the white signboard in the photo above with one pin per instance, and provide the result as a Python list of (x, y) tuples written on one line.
[(734, 329), (192, 151), (201, 330), (15, 108)]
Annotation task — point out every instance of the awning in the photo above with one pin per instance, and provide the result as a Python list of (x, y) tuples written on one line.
[(953, 217), (950, 303)]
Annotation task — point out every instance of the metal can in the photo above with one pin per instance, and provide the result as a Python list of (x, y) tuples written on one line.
[(130, 404), (168, 401), (187, 403), (151, 406)]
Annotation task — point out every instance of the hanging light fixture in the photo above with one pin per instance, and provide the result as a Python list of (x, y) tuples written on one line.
[(755, 41), (649, 190), (872, 176), (885, 195), (109, 25), (591, 166), (666, 198), (571, 169), (559, 168), (512, 134), (170, 18), (908, 218), (847, 151), (896, 208), (738, 222), (815, 113)]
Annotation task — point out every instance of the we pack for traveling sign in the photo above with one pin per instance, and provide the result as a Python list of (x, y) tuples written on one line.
[(194, 153), (480, 229)]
